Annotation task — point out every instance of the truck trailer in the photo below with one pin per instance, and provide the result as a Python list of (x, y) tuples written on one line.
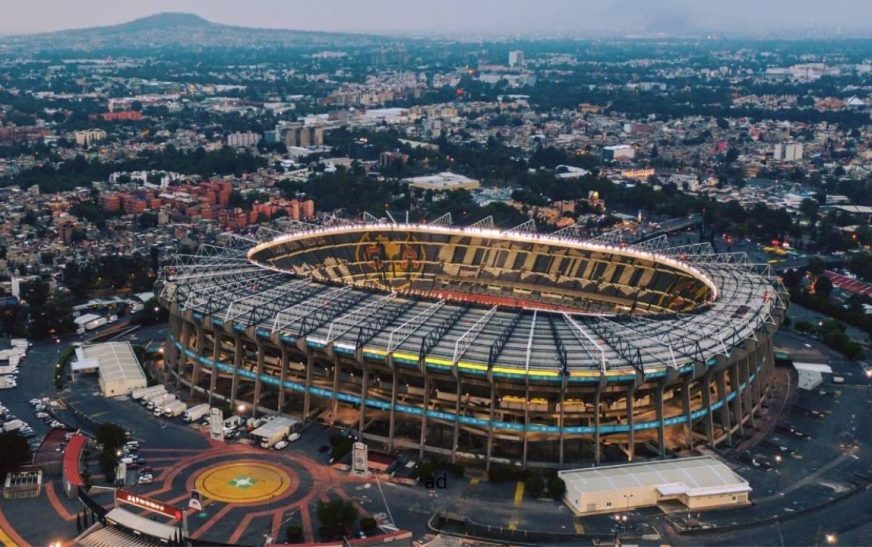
[(175, 409), (196, 412), (153, 396), (155, 402), (161, 407), (142, 392), (275, 430)]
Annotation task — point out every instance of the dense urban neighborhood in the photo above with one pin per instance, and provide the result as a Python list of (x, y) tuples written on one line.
[(300, 287)]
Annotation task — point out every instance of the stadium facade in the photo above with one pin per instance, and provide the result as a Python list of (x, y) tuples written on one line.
[(476, 343)]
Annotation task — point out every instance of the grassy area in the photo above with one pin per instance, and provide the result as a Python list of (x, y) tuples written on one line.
[(61, 366)]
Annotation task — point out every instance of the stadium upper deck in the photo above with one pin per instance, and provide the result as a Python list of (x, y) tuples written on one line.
[(513, 302)]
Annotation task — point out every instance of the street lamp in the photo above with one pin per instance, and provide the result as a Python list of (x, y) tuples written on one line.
[(777, 471), (620, 523), (240, 408), (868, 382), (831, 539)]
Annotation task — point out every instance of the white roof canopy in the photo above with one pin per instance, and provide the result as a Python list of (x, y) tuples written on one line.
[(146, 526), (117, 360)]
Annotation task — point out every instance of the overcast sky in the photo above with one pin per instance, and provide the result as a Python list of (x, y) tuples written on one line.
[(461, 16)]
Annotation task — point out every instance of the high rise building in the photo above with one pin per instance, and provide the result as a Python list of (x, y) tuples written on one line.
[(303, 136), (620, 152), (241, 140), (791, 151), (516, 58), (89, 136)]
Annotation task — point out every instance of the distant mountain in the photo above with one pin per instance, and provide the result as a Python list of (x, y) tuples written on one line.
[(171, 29), (166, 21)]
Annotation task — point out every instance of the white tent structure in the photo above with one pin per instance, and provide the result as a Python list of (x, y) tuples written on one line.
[(119, 369)]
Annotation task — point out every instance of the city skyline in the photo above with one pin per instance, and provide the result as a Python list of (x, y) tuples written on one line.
[(480, 17)]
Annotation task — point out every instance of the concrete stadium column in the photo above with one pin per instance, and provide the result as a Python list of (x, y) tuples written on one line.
[(307, 395), (526, 422), (561, 416), (748, 394), (195, 375), (725, 408), (364, 388), (392, 419), (490, 425), (216, 355), (631, 421), (456, 437), (748, 369), (185, 340), (661, 428), (708, 419), (735, 381), (182, 361), (258, 385), (597, 413), (237, 363), (334, 401), (757, 387), (425, 407), (685, 407), (283, 375)]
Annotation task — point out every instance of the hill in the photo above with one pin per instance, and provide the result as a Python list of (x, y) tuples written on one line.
[(173, 30)]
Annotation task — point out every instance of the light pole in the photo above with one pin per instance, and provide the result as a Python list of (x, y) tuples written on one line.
[(868, 382), (777, 471), (626, 515), (619, 524)]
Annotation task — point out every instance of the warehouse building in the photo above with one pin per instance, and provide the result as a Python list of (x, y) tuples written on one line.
[(115, 362), (696, 483)]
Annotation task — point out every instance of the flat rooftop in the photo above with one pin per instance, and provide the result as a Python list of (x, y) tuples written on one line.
[(698, 476)]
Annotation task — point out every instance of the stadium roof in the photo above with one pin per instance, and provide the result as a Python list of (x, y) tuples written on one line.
[(223, 283)]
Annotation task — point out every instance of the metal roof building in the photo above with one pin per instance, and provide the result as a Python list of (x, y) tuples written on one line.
[(120, 371), (697, 483)]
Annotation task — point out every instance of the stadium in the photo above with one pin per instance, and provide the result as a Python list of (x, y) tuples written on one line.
[(474, 343)]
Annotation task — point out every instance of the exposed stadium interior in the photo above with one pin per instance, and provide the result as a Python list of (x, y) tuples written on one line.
[(477, 343)]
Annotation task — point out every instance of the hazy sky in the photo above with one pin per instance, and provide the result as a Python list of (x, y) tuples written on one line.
[(460, 16)]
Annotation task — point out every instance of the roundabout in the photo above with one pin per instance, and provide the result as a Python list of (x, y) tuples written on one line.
[(246, 482)]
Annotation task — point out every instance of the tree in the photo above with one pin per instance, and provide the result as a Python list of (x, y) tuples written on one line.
[(809, 208), (823, 286), (111, 436), (152, 312), (336, 516), (556, 487), (106, 460), (368, 525), (535, 484), (14, 452), (49, 312)]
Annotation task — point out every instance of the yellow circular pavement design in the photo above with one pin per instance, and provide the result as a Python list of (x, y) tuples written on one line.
[(243, 482)]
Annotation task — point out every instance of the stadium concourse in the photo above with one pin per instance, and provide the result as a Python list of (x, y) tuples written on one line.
[(479, 343)]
